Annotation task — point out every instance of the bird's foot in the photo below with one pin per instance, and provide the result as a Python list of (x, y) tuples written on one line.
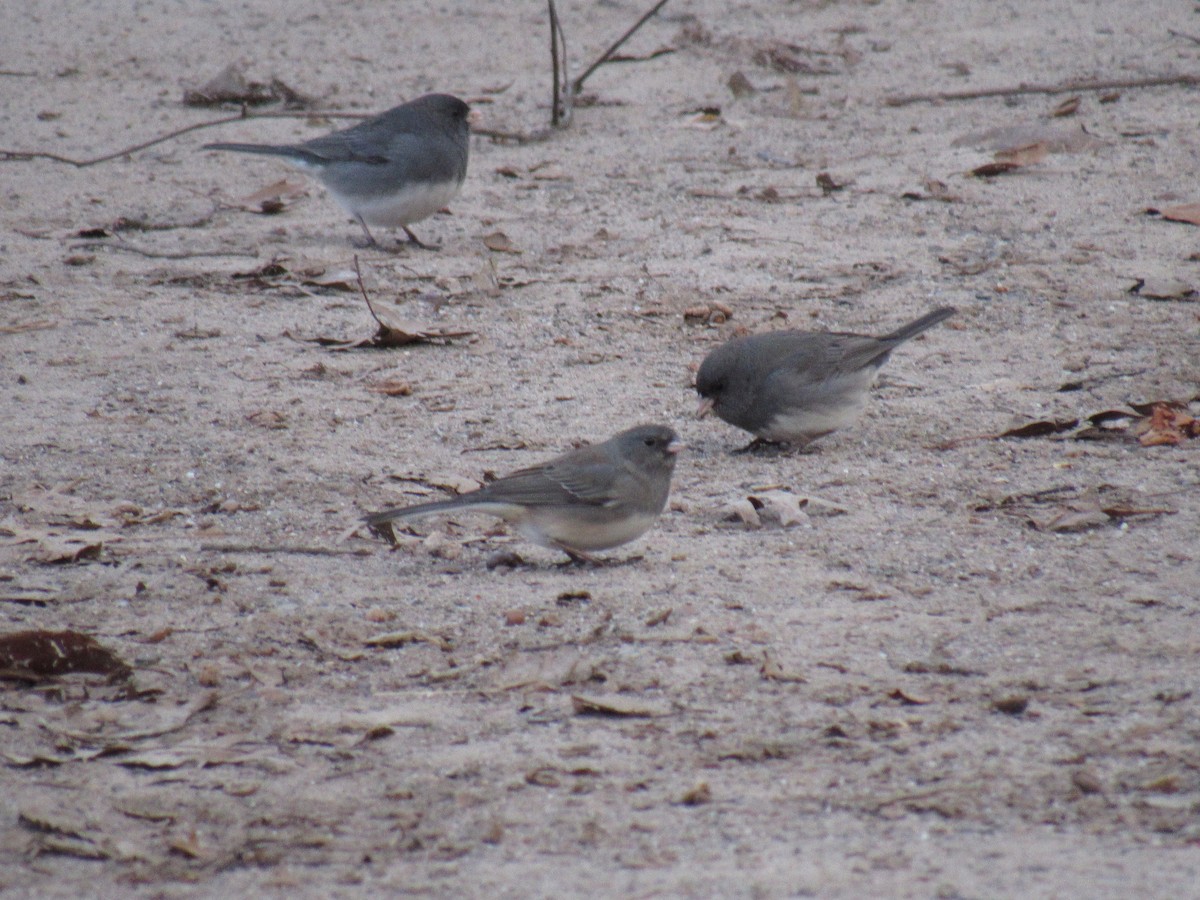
[(508, 560), (580, 558), (763, 447), (417, 242)]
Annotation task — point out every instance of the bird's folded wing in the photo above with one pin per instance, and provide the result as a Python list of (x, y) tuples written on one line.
[(841, 355), (554, 485)]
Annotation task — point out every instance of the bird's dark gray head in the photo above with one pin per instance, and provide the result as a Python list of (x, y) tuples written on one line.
[(727, 378), (649, 446), (444, 105)]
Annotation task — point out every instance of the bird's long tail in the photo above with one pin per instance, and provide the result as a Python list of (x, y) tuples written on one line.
[(411, 512), (912, 329), (262, 149)]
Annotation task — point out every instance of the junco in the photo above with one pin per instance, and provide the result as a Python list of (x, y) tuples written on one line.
[(590, 499), (393, 170), (796, 386)]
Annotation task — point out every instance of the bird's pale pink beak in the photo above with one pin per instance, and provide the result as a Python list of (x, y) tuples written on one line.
[(475, 118), (675, 446), (705, 407)]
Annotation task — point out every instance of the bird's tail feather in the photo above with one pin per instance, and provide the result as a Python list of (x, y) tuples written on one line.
[(412, 512), (912, 329), (262, 149)]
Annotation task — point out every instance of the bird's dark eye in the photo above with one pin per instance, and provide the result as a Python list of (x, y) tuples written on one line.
[(649, 442)]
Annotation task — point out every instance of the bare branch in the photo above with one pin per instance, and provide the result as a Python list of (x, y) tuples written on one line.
[(604, 57), (560, 101), (1066, 87), (23, 155)]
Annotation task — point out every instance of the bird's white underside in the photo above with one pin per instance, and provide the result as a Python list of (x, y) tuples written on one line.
[(410, 204), (551, 527), (849, 399)]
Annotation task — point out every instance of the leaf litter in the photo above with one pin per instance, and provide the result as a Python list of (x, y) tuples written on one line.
[(390, 332)]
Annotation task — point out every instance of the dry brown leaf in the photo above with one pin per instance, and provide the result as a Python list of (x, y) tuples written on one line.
[(231, 86), (593, 705), (771, 670), (908, 697), (1188, 213), (392, 388), (1167, 424), (740, 86), (53, 547), (714, 313), (1058, 137), (1164, 289), (499, 242), (697, 795), (400, 638), (1040, 428), (27, 326), (1067, 108), (1023, 155), (991, 170), (49, 653), (274, 198), (705, 119)]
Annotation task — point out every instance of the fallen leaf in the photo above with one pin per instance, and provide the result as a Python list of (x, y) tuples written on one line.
[(53, 547), (1025, 155), (784, 507), (742, 511), (705, 119), (827, 185), (714, 313), (231, 86), (1012, 706), (791, 59), (659, 617), (50, 653), (28, 326), (391, 388), (697, 795), (274, 198), (1058, 137), (1164, 289), (499, 242), (1040, 428), (934, 190), (593, 705), (740, 86), (771, 670), (1167, 424), (1067, 108), (1188, 213), (991, 170), (908, 697)]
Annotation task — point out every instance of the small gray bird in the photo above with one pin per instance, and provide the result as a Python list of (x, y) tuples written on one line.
[(796, 386), (590, 499), (395, 169)]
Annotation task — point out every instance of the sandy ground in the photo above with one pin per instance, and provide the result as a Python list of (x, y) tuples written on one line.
[(956, 671)]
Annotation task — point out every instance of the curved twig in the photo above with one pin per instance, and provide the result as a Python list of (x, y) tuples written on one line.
[(23, 155), (604, 57)]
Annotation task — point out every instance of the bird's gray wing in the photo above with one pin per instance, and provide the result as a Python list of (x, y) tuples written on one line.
[(558, 484)]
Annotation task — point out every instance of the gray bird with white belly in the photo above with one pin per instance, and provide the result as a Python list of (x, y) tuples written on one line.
[(590, 499), (392, 170), (793, 387)]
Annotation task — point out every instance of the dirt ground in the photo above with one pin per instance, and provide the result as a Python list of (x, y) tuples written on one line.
[(941, 663)]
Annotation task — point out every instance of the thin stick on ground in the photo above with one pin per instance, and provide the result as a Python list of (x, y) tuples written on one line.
[(560, 102), (362, 289), (24, 155), (161, 254), (607, 54), (1066, 87)]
